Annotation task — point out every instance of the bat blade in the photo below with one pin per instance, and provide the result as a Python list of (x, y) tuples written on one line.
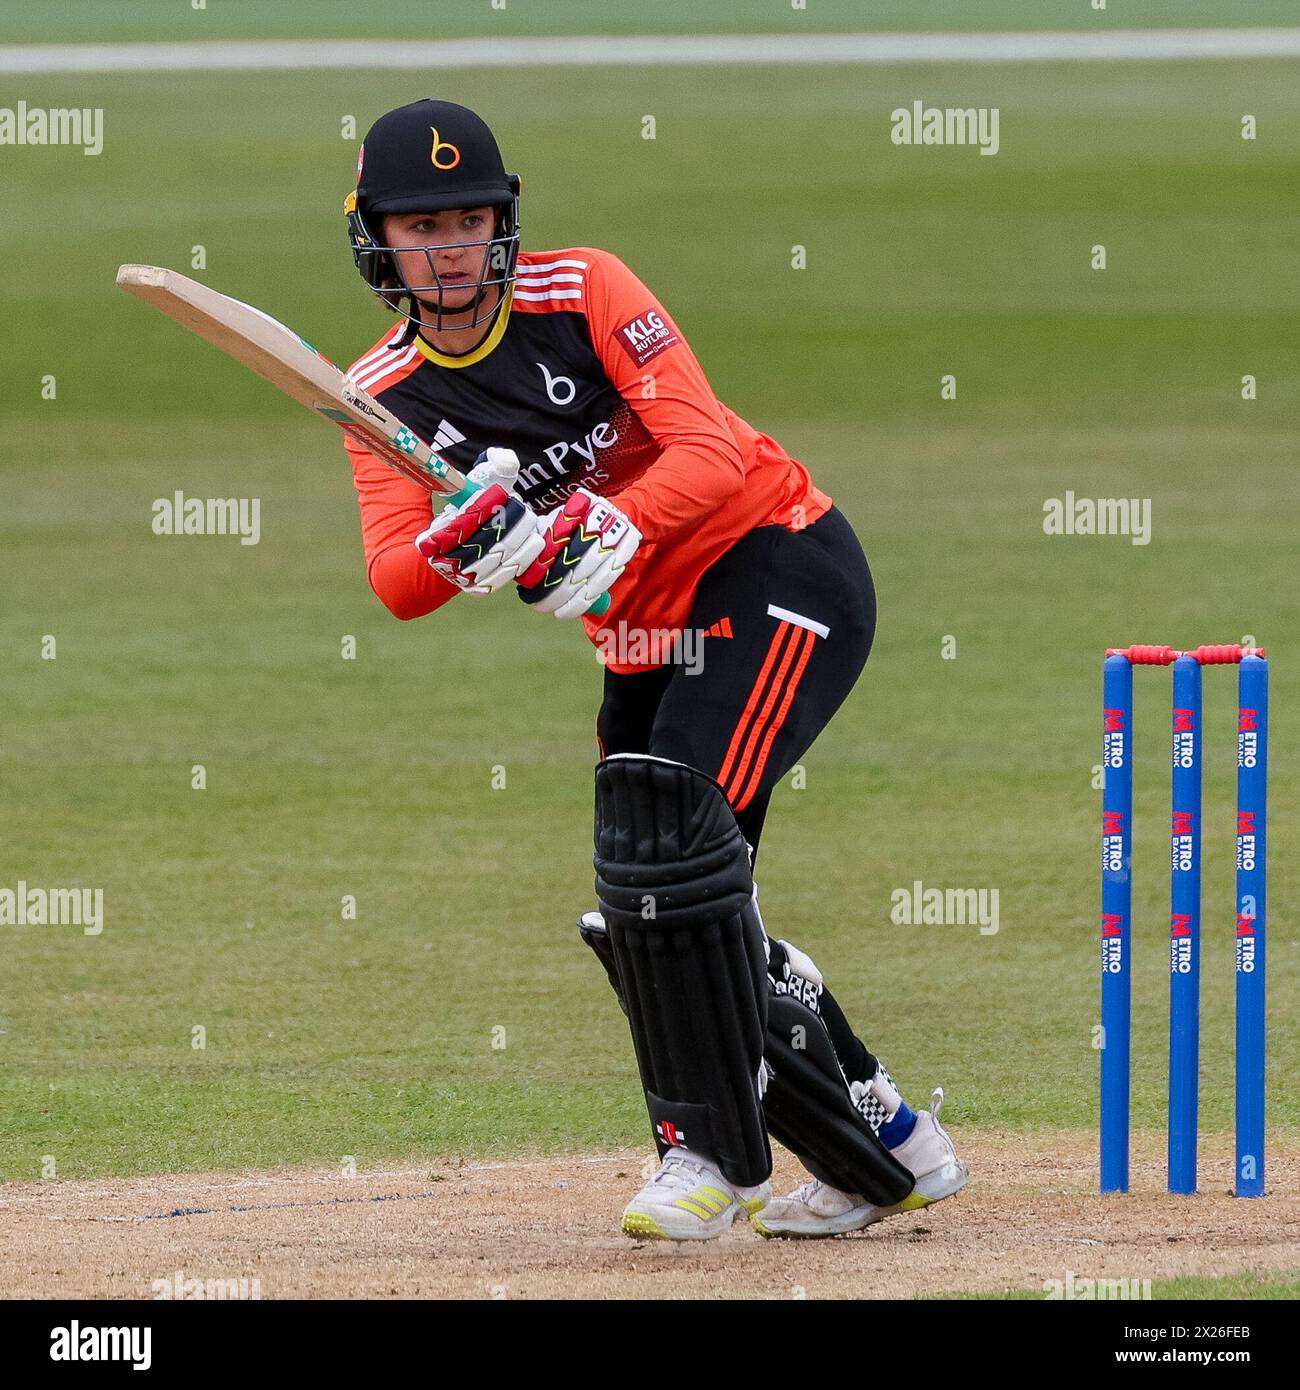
[(288, 361)]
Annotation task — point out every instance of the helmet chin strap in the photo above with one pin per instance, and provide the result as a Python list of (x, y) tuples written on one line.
[(466, 309), (479, 294)]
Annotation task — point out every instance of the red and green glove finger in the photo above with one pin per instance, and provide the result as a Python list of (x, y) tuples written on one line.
[(488, 540), (586, 545)]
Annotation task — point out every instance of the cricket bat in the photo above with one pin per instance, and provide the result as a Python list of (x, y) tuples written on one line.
[(274, 351)]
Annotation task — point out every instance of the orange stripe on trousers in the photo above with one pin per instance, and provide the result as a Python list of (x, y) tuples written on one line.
[(756, 730), (754, 695), (775, 727)]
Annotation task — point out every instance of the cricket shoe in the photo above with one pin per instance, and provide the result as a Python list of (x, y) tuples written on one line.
[(817, 1209), (688, 1199)]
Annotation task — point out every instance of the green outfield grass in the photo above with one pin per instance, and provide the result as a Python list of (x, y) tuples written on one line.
[(1284, 1286), (82, 21), (373, 777)]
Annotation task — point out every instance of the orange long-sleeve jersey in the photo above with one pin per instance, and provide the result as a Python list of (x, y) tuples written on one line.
[(592, 384)]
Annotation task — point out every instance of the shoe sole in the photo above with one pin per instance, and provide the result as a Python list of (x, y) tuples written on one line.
[(943, 1183), (642, 1227), (835, 1226), (934, 1187)]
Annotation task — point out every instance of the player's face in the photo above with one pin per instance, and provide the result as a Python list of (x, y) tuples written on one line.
[(459, 234)]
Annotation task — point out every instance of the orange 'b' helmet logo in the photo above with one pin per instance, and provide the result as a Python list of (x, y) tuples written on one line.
[(444, 154)]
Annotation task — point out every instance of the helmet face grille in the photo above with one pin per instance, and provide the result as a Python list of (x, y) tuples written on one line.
[(378, 267)]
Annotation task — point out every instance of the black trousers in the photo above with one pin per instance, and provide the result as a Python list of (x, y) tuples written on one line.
[(790, 618)]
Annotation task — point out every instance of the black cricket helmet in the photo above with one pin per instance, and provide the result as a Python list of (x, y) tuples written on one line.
[(426, 157)]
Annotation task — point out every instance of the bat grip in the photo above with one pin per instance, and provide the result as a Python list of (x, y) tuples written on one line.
[(597, 609)]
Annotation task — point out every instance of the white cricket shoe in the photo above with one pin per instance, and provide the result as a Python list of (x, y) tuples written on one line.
[(688, 1199), (816, 1209)]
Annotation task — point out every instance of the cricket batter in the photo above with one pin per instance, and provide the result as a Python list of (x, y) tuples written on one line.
[(618, 490)]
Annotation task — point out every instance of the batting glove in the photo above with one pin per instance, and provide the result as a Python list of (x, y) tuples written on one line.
[(489, 539), (586, 545)]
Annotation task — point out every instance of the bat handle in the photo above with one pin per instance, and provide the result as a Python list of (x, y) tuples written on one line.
[(597, 609)]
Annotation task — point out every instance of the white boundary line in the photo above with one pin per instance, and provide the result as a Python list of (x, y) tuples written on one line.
[(659, 51)]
